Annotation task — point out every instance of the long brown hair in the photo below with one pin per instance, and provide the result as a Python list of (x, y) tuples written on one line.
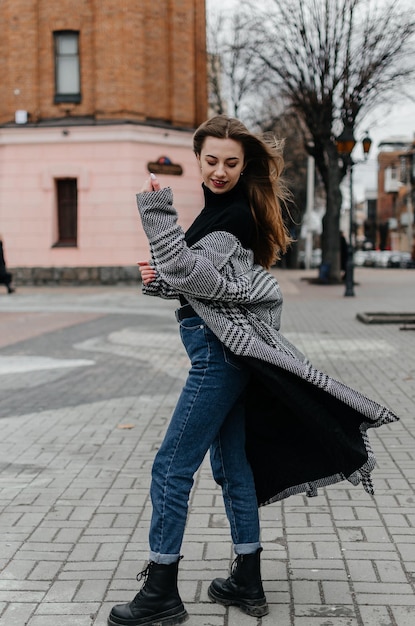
[(263, 167)]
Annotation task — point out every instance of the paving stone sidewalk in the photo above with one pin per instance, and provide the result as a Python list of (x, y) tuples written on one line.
[(88, 380)]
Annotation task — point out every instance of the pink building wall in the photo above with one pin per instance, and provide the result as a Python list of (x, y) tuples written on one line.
[(110, 164)]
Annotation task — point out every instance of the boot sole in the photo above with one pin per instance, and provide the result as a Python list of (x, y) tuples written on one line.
[(169, 620), (254, 610)]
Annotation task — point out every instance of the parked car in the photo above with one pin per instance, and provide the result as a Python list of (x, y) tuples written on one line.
[(399, 259), (370, 259), (382, 258), (360, 257), (366, 258)]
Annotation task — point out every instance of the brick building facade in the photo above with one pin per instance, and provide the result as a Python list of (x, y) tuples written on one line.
[(91, 93), (390, 207), (139, 60)]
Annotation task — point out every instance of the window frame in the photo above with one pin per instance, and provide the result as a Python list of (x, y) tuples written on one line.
[(61, 96), (66, 210)]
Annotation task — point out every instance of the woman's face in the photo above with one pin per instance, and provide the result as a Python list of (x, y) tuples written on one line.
[(221, 162)]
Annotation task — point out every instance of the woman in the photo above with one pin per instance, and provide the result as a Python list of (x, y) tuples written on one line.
[(242, 369)]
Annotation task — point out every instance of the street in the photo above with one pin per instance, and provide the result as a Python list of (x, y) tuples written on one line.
[(89, 377)]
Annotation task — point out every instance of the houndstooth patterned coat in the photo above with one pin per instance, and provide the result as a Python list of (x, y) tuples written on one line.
[(304, 429)]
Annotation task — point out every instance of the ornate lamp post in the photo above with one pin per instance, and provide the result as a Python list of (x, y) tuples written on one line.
[(345, 143)]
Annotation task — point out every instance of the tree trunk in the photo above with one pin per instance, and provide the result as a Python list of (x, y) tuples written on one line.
[(331, 220)]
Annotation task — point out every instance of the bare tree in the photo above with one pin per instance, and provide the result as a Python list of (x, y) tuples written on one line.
[(333, 61), (233, 66), (237, 87)]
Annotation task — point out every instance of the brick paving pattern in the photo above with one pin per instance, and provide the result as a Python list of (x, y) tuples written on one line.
[(88, 381)]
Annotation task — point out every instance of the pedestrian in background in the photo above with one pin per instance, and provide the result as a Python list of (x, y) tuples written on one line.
[(5, 276), (274, 425)]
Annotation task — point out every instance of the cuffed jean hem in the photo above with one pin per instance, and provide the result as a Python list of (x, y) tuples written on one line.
[(246, 548), (163, 559)]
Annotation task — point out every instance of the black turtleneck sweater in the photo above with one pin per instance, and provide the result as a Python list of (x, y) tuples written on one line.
[(228, 211)]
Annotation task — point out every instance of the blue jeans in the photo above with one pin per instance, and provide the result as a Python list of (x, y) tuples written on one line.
[(209, 415)]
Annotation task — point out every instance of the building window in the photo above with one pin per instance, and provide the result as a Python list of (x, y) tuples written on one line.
[(67, 70), (67, 211), (391, 179)]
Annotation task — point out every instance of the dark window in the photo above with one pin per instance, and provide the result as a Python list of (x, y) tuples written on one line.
[(67, 211), (67, 69)]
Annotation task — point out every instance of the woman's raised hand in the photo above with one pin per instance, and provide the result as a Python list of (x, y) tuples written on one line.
[(151, 184)]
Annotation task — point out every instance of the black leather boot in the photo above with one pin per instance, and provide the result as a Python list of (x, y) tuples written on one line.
[(243, 588), (157, 603)]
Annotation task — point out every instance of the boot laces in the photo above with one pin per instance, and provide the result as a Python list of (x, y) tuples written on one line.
[(237, 560), (144, 573)]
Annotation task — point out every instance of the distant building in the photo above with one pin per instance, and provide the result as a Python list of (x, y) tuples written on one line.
[(389, 205), (406, 199), (92, 96), (370, 218)]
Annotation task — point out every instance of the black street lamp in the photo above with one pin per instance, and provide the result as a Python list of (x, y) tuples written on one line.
[(345, 143)]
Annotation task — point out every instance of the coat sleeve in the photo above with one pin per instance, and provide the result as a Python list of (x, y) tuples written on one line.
[(161, 289), (189, 272), (158, 287)]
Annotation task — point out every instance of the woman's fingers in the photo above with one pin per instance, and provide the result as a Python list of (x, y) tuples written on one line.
[(147, 186), (151, 184), (155, 183), (148, 273)]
